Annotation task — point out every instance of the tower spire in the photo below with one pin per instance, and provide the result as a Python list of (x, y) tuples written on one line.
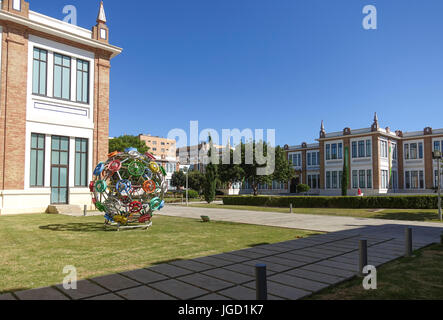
[(375, 125), (322, 130), (101, 14)]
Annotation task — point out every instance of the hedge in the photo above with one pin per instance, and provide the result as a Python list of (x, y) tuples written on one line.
[(372, 202)]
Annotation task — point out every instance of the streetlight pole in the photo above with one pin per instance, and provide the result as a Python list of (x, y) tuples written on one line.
[(439, 188), (438, 157), (187, 203)]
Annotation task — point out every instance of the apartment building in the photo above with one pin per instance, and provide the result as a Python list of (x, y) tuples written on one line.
[(164, 151), (54, 107)]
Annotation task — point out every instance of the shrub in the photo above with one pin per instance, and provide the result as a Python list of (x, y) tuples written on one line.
[(373, 202), (192, 194), (302, 188)]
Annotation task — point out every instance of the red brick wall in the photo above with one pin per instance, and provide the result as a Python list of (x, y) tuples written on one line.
[(13, 107), (101, 107)]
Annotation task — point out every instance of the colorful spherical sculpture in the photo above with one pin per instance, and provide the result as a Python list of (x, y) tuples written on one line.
[(129, 188)]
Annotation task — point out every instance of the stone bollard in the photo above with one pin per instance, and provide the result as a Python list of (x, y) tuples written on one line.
[(408, 242)]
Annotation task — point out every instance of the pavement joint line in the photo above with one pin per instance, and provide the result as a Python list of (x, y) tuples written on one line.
[(62, 292)]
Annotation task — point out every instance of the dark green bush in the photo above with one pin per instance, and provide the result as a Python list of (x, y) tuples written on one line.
[(192, 194), (373, 202), (301, 188)]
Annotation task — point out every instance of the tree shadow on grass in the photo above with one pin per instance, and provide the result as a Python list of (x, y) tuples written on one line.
[(408, 216), (78, 227)]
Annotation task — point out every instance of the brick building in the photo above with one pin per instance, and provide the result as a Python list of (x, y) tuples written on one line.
[(54, 107), (379, 161)]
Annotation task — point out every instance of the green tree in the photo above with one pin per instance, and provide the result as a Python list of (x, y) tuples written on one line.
[(210, 185), (229, 173), (196, 180), (278, 166), (178, 179), (123, 142)]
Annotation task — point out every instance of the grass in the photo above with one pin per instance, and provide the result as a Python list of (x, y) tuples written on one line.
[(34, 249), (416, 278), (391, 214)]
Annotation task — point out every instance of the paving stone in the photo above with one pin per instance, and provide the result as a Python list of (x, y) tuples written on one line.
[(144, 276), (325, 254), (228, 275), (179, 289), (7, 296), (353, 267), (315, 276), (47, 293), (269, 265), (240, 293), (115, 282), (192, 265), (297, 282), (170, 270), (329, 270), (144, 293), (245, 269), (248, 254), (275, 248), (297, 257), (231, 257), (206, 282), (282, 290), (213, 297), (212, 261), (106, 297), (311, 254), (285, 262), (262, 251), (85, 289)]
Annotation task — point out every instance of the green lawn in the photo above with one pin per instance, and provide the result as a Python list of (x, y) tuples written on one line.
[(34, 249), (416, 278), (392, 214)]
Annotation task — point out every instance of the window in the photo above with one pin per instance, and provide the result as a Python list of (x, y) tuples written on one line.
[(414, 179), (162, 143), (309, 156), (436, 179), (334, 151), (384, 179), (394, 151), (394, 180), (295, 159), (354, 149), (81, 162), (437, 146), (334, 180), (39, 72), (37, 160), (340, 151), (368, 148), (369, 179), (328, 180), (62, 76), (314, 181), (361, 149), (362, 179), (414, 151), (17, 5), (82, 81), (354, 179), (383, 149), (328, 152)]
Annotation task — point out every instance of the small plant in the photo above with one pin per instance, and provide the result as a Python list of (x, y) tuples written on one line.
[(303, 188), (192, 194)]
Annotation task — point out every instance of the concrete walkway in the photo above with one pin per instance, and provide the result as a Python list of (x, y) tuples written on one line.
[(296, 268), (313, 222)]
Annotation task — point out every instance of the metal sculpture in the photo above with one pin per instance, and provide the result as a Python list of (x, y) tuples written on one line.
[(129, 187)]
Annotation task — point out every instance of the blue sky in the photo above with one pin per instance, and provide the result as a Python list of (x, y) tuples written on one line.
[(277, 64)]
